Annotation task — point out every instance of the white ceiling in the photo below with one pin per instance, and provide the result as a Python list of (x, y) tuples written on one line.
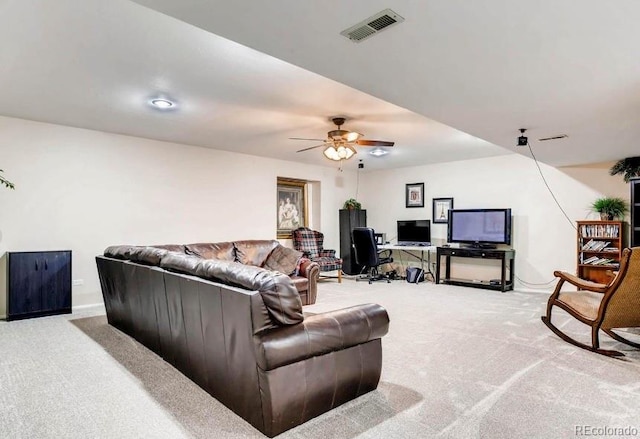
[(486, 68)]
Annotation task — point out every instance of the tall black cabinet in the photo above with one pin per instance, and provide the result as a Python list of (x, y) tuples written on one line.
[(350, 218), (38, 284), (635, 212)]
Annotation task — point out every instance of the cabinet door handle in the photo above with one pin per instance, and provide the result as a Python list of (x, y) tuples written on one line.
[(36, 265), (46, 266)]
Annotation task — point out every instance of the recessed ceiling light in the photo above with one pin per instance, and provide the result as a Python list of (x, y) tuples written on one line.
[(378, 152), (163, 104)]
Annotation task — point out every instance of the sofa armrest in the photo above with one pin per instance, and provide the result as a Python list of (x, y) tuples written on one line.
[(311, 270), (320, 334)]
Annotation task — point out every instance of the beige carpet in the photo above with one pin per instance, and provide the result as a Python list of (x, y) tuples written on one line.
[(458, 363)]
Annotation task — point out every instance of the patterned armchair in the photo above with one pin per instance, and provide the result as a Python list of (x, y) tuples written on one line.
[(310, 242)]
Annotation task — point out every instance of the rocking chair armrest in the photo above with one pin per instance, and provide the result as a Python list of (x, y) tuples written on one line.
[(581, 283)]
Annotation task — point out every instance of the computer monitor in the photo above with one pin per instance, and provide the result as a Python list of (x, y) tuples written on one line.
[(414, 232)]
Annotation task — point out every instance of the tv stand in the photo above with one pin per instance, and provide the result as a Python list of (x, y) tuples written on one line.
[(481, 246), (467, 252)]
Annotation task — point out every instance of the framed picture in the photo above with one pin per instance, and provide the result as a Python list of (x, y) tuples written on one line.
[(291, 207), (441, 208), (414, 195)]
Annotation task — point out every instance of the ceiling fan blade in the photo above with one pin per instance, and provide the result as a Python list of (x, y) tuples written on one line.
[(303, 138), (311, 147), (374, 143)]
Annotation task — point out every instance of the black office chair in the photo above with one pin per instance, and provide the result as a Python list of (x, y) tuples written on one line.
[(368, 255)]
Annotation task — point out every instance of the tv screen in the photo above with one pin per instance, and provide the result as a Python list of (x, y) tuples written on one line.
[(414, 232), (480, 226)]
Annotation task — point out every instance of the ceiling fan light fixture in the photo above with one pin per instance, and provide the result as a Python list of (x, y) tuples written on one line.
[(337, 135), (352, 136), (378, 152), (340, 152)]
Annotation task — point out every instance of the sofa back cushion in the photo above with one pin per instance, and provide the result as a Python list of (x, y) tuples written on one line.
[(147, 255), (224, 251), (283, 259), (279, 295), (181, 263), (119, 251), (254, 252), (180, 248)]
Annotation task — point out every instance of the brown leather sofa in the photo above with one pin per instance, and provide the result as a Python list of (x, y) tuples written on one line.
[(267, 254), (238, 331), (259, 252)]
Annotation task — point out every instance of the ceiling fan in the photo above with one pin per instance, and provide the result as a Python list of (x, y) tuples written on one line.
[(340, 144)]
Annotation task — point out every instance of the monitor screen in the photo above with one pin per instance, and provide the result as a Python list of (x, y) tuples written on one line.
[(417, 232), (477, 226)]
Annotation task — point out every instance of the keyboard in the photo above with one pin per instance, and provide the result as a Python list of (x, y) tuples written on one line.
[(414, 244)]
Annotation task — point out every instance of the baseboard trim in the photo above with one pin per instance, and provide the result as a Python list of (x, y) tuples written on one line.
[(533, 290), (76, 308), (86, 307)]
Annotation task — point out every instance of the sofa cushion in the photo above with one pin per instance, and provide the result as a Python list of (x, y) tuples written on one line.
[(224, 251), (180, 262), (283, 259), (147, 255), (119, 251), (254, 252), (278, 293), (180, 248)]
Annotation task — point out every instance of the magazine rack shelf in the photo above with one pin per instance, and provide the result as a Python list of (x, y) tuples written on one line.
[(600, 244)]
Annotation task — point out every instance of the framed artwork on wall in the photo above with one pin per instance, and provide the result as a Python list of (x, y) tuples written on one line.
[(414, 195), (291, 207), (441, 208)]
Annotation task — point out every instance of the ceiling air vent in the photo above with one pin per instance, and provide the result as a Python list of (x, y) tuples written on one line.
[(559, 136), (372, 25)]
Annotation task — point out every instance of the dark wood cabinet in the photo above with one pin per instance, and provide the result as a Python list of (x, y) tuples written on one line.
[(350, 218), (635, 211), (38, 284)]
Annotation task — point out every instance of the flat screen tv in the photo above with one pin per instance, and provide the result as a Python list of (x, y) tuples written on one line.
[(480, 227), (414, 232)]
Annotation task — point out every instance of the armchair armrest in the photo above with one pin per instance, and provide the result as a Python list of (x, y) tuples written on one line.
[(320, 334), (327, 253), (580, 283)]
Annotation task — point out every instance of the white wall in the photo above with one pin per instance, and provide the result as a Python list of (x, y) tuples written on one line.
[(84, 190), (543, 238)]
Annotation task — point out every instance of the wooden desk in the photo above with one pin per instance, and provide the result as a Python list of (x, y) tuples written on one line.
[(414, 248)]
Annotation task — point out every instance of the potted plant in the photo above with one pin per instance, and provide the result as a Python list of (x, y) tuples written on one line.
[(629, 167), (5, 182), (609, 207), (352, 204)]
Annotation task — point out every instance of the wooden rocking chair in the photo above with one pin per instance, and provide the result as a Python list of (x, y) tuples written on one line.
[(601, 306)]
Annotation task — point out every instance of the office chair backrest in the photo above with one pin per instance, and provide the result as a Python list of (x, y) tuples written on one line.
[(364, 244)]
